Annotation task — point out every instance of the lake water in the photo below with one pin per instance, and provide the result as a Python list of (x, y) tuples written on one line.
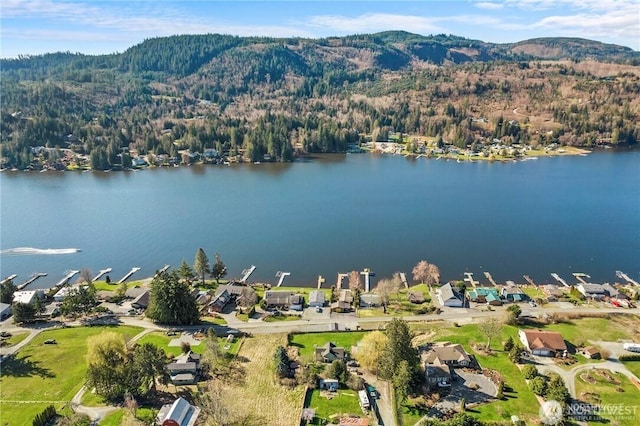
[(333, 214)]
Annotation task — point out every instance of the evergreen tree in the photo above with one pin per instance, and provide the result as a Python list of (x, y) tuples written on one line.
[(398, 349), (219, 269), (6, 291), (201, 263), (170, 301)]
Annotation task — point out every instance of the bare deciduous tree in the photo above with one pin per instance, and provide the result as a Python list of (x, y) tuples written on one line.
[(491, 327), (354, 280), (388, 286), (426, 272)]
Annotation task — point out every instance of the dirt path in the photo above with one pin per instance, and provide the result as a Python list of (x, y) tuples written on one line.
[(384, 401)]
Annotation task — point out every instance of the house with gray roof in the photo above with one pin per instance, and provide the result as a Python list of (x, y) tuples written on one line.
[(185, 369), (448, 296), (329, 352), (447, 354), (317, 298)]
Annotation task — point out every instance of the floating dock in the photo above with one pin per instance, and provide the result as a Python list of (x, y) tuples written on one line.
[(468, 277), (163, 269), (580, 277), (626, 277), (282, 276), (31, 279), (247, 273), (126, 277), (560, 280), (101, 273), (9, 278), (403, 278), (340, 278), (490, 278), (68, 275)]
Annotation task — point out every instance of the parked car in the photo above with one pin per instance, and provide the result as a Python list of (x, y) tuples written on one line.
[(532, 303)]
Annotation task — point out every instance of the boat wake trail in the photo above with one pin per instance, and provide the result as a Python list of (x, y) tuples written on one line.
[(23, 251)]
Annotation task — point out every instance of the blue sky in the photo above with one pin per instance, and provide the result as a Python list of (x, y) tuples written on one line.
[(97, 27)]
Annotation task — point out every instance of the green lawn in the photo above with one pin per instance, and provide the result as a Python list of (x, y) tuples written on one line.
[(103, 286), (344, 402), (47, 372), (633, 366), (581, 330), (161, 340), (306, 342), (113, 419), (14, 339), (610, 389)]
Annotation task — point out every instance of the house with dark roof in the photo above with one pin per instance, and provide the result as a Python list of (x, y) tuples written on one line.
[(512, 293), (329, 352), (180, 413), (591, 352), (448, 296), (447, 354), (185, 369), (224, 295), (437, 375), (552, 291), (543, 343), (344, 302), (592, 291), (142, 300)]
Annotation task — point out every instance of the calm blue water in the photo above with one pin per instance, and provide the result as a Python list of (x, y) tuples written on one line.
[(334, 214)]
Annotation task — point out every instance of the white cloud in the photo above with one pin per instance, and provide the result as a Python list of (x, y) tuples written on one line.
[(489, 5)]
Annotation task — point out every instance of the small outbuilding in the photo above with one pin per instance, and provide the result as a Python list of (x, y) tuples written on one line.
[(591, 352), (180, 413), (329, 384)]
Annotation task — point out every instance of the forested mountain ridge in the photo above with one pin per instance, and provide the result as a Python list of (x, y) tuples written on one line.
[(256, 96)]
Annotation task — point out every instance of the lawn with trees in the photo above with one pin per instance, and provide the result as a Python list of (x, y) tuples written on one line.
[(40, 372)]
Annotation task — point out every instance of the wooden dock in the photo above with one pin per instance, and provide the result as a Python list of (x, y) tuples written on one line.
[(31, 279), (9, 278), (247, 273), (67, 276), (163, 269), (626, 277), (320, 281), (126, 277), (101, 273), (490, 278), (282, 276), (528, 279), (403, 278), (468, 277), (340, 278), (560, 280), (580, 277)]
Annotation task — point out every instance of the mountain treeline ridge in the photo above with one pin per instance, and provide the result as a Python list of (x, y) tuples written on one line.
[(257, 96)]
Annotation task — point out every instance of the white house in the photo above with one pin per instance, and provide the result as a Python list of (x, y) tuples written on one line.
[(27, 296), (448, 296)]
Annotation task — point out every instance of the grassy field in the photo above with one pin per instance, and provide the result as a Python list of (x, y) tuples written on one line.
[(633, 366), (306, 342), (606, 388), (14, 339), (50, 374), (259, 396), (343, 402), (581, 330), (161, 340), (113, 419), (103, 286)]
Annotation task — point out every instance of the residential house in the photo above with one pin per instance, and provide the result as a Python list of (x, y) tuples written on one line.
[(552, 291), (448, 296), (370, 300), (591, 352), (344, 302), (277, 299), (543, 343), (592, 291), (447, 354), (142, 300), (512, 293), (185, 369), (224, 295), (613, 292), (487, 295), (180, 413), (27, 297), (317, 298), (329, 352), (5, 311), (438, 375), (296, 302), (329, 384), (64, 292)]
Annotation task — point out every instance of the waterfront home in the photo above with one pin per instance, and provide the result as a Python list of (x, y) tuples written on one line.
[(179, 413), (64, 292), (487, 295), (344, 302), (224, 295), (277, 299), (452, 355), (512, 293), (329, 352), (317, 299), (142, 300), (448, 296), (27, 297), (592, 291), (543, 343), (552, 291)]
